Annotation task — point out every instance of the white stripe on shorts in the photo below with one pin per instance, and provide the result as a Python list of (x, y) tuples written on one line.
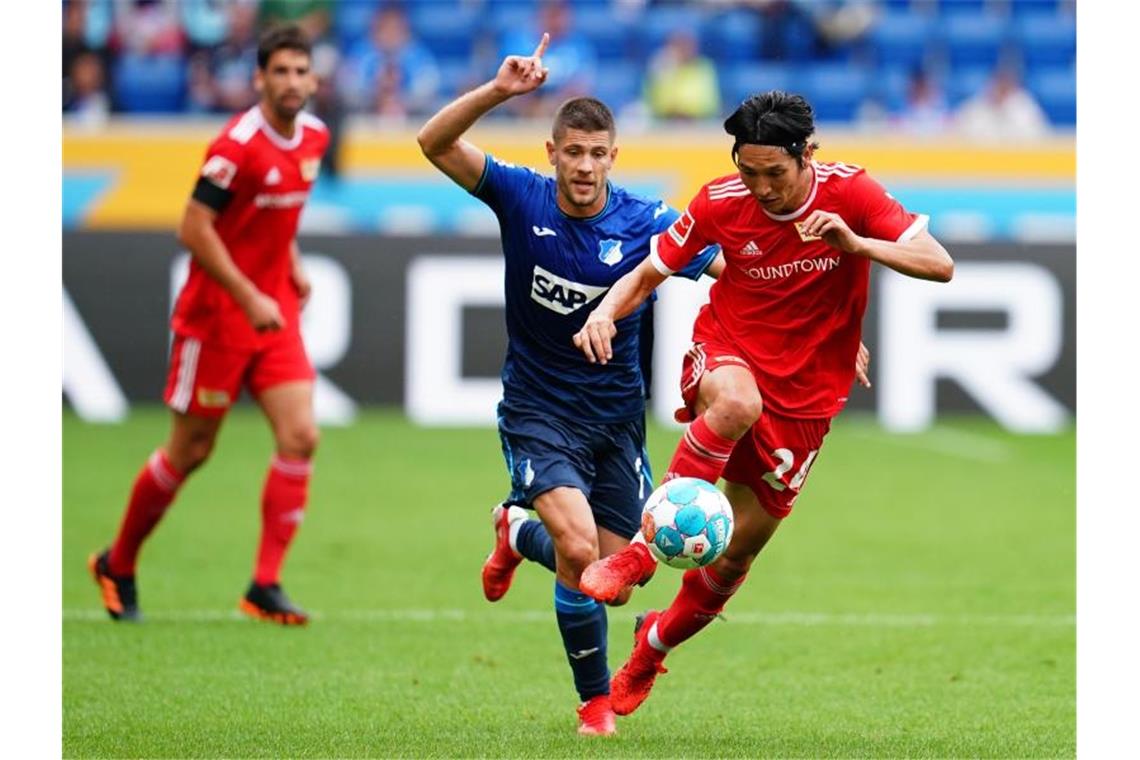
[(187, 369)]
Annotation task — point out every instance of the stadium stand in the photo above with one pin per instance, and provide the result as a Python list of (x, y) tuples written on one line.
[(956, 43)]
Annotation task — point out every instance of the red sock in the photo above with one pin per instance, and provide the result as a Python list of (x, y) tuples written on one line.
[(151, 494), (282, 507), (701, 453), (702, 596)]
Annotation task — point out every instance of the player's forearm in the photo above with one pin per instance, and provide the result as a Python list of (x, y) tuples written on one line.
[(210, 253), (628, 293), (922, 257), (451, 122)]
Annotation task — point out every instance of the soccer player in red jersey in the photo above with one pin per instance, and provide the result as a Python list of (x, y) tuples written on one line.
[(770, 364), (237, 323)]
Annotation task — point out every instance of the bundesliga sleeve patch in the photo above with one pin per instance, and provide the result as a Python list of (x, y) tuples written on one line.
[(681, 228), (220, 170)]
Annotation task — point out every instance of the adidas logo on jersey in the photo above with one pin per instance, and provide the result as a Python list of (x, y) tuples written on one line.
[(273, 176), (561, 295), (751, 249)]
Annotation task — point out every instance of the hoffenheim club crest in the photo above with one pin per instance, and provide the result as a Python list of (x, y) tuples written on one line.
[(609, 252)]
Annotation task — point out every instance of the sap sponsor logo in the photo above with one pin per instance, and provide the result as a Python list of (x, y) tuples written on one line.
[(220, 170), (680, 229), (281, 200), (561, 295), (609, 252), (783, 271)]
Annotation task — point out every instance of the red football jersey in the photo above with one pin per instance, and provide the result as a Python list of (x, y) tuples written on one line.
[(267, 178), (792, 306)]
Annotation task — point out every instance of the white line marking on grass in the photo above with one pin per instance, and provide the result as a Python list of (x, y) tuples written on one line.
[(948, 441), (809, 619)]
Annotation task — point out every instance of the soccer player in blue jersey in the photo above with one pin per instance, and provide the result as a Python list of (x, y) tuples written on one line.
[(573, 433)]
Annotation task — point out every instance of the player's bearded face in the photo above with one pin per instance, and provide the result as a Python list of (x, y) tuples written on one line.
[(582, 161), (286, 82), (775, 177)]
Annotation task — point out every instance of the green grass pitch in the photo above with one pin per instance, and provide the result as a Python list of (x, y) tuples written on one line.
[(919, 602)]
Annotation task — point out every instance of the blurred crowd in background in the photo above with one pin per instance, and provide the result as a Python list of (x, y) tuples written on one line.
[(986, 68)]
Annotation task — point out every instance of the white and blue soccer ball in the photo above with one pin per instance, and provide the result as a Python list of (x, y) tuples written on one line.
[(687, 522)]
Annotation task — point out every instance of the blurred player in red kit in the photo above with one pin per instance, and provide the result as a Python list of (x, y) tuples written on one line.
[(770, 364), (237, 323)]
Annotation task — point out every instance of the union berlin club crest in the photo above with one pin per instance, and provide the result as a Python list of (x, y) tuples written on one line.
[(310, 167)]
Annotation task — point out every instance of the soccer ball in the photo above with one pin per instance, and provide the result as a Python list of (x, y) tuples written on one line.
[(687, 523)]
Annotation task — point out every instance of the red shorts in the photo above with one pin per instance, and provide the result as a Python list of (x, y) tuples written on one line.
[(205, 379), (775, 456)]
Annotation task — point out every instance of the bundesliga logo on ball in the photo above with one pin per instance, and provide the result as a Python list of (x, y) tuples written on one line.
[(687, 522)]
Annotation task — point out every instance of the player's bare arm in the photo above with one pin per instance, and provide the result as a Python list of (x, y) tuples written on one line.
[(441, 138), (862, 364), (716, 268), (197, 233), (922, 256), (300, 276), (624, 297)]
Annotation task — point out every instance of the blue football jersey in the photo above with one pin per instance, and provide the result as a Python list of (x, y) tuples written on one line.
[(558, 268)]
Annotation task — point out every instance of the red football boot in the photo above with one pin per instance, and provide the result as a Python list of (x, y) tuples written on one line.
[(631, 685), (499, 569), (596, 717), (608, 577)]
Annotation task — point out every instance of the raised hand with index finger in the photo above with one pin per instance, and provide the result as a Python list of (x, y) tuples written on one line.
[(521, 74)]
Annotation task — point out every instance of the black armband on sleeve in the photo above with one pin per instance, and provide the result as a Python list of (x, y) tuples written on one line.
[(209, 194)]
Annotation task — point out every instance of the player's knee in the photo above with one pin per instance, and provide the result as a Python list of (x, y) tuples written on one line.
[(577, 552), (299, 441), (739, 411), (191, 454)]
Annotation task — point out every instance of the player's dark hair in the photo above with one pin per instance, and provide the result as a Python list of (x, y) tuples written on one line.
[(777, 118), (289, 37), (586, 114)]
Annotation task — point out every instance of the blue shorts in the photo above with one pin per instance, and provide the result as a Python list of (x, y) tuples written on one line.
[(607, 462)]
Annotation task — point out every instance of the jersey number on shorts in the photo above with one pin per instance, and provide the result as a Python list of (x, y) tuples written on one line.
[(787, 462)]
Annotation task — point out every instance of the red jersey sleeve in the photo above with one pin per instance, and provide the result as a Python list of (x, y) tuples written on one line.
[(875, 213), (682, 240), (221, 173)]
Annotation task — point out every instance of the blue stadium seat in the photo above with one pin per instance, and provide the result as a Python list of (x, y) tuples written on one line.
[(352, 21), (1056, 91), (456, 76), (889, 87), (836, 91), (611, 36), (447, 32), (150, 84), (901, 39), (965, 83), (1034, 7), (974, 39), (1046, 40), (739, 82), (733, 37), (657, 25), (503, 18), (620, 85)]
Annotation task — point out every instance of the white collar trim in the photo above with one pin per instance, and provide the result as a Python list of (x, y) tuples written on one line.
[(278, 139)]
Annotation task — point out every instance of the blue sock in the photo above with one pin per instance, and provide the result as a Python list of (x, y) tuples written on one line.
[(582, 623), (533, 542)]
